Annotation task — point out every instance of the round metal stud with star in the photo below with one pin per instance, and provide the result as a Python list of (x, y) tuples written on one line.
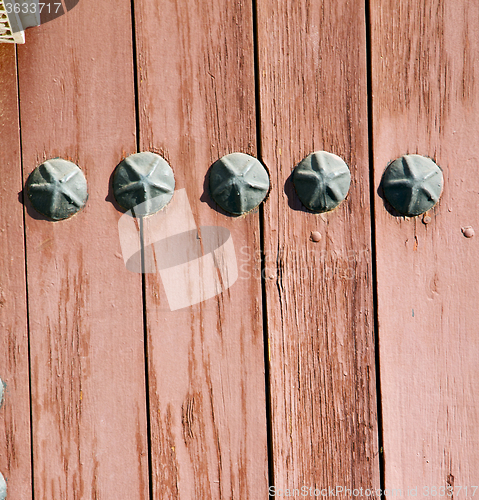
[(143, 183), (57, 188), (321, 181), (238, 183), (412, 184)]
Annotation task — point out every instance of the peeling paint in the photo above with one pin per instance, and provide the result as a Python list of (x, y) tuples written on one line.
[(1, 392), (3, 486)]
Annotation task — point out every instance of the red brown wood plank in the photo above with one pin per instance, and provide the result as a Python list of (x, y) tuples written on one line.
[(312, 69), (15, 449), (425, 101), (87, 340), (206, 361)]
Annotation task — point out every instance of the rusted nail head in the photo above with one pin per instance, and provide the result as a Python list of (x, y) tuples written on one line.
[(57, 188), (426, 219), (321, 181), (238, 183), (412, 184), (143, 183), (315, 236), (468, 231)]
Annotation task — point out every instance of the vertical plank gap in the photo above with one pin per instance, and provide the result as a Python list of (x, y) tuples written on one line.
[(23, 194), (369, 71), (145, 327), (142, 256), (259, 153), (269, 420), (135, 76)]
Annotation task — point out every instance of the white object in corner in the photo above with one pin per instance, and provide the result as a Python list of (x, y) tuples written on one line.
[(15, 17)]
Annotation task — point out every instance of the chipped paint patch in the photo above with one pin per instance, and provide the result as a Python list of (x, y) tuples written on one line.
[(2, 386), (3, 487)]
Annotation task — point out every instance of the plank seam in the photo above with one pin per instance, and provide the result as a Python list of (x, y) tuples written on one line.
[(142, 257), (269, 419), (372, 198), (22, 173), (145, 342)]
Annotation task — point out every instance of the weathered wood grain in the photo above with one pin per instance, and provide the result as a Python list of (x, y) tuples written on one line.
[(15, 449), (87, 339), (425, 61), (206, 361), (313, 93)]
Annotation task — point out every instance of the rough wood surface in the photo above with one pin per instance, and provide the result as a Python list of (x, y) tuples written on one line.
[(87, 340), (313, 92), (206, 361), (15, 456), (425, 57)]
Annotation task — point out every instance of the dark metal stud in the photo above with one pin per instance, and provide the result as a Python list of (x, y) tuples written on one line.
[(321, 181), (57, 188), (412, 184), (238, 183), (143, 183)]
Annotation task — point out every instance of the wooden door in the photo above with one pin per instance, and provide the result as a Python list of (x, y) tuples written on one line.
[(425, 101), (342, 367)]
